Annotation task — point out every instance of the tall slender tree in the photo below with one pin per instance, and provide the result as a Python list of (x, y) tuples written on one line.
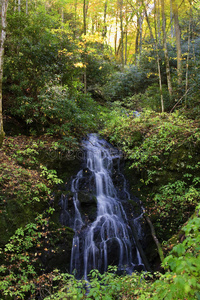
[(85, 10), (155, 46), (169, 83), (188, 56), (122, 31), (104, 19), (138, 39), (3, 10), (178, 40)]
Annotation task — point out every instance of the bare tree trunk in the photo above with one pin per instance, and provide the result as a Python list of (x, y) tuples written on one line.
[(75, 17), (85, 8), (3, 11), (157, 7), (122, 32), (171, 18), (178, 41), (27, 7), (126, 38), (62, 17), (169, 83), (155, 45), (84, 17), (104, 33), (153, 233), (138, 40), (85, 81), (126, 47), (19, 6), (116, 25), (187, 63), (140, 24)]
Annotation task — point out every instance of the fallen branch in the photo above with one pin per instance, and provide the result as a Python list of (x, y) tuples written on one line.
[(153, 233), (139, 247), (179, 101)]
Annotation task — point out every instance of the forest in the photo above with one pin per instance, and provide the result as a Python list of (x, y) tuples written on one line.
[(129, 71)]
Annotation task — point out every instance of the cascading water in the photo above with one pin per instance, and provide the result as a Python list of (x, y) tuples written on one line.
[(104, 237)]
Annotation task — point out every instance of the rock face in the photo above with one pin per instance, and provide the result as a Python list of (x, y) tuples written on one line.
[(172, 168), (95, 209)]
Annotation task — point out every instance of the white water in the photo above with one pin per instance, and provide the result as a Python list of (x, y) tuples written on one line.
[(108, 238)]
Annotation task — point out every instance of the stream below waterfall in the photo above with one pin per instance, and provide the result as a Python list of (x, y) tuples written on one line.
[(95, 210)]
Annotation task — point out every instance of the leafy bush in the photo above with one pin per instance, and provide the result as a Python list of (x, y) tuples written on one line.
[(162, 150), (124, 84), (57, 112)]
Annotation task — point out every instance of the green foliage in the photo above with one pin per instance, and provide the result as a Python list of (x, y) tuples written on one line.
[(50, 175), (180, 281), (124, 84), (163, 153), (17, 280), (43, 73)]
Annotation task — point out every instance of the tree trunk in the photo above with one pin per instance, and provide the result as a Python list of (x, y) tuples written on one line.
[(126, 37), (169, 83), (140, 26), (116, 30), (75, 19), (126, 47), (139, 247), (153, 234), (187, 63), (62, 17), (178, 41), (137, 40), (85, 80), (155, 45), (157, 7), (171, 18), (104, 33), (85, 9), (3, 10), (84, 17), (19, 6), (122, 32)]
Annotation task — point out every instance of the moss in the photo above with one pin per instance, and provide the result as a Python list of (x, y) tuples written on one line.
[(19, 185), (60, 244), (136, 206)]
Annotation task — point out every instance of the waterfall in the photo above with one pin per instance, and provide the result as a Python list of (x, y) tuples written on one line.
[(102, 237)]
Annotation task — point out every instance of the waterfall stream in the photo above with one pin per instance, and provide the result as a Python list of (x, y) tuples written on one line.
[(102, 233)]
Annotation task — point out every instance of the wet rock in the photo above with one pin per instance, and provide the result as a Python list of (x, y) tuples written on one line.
[(86, 198)]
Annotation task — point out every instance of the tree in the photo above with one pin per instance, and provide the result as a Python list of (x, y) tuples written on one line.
[(155, 46), (104, 19), (169, 83), (3, 10), (122, 31), (85, 9), (178, 40)]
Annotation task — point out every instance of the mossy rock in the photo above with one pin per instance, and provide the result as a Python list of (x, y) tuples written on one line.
[(136, 207), (59, 249), (86, 198), (65, 165)]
